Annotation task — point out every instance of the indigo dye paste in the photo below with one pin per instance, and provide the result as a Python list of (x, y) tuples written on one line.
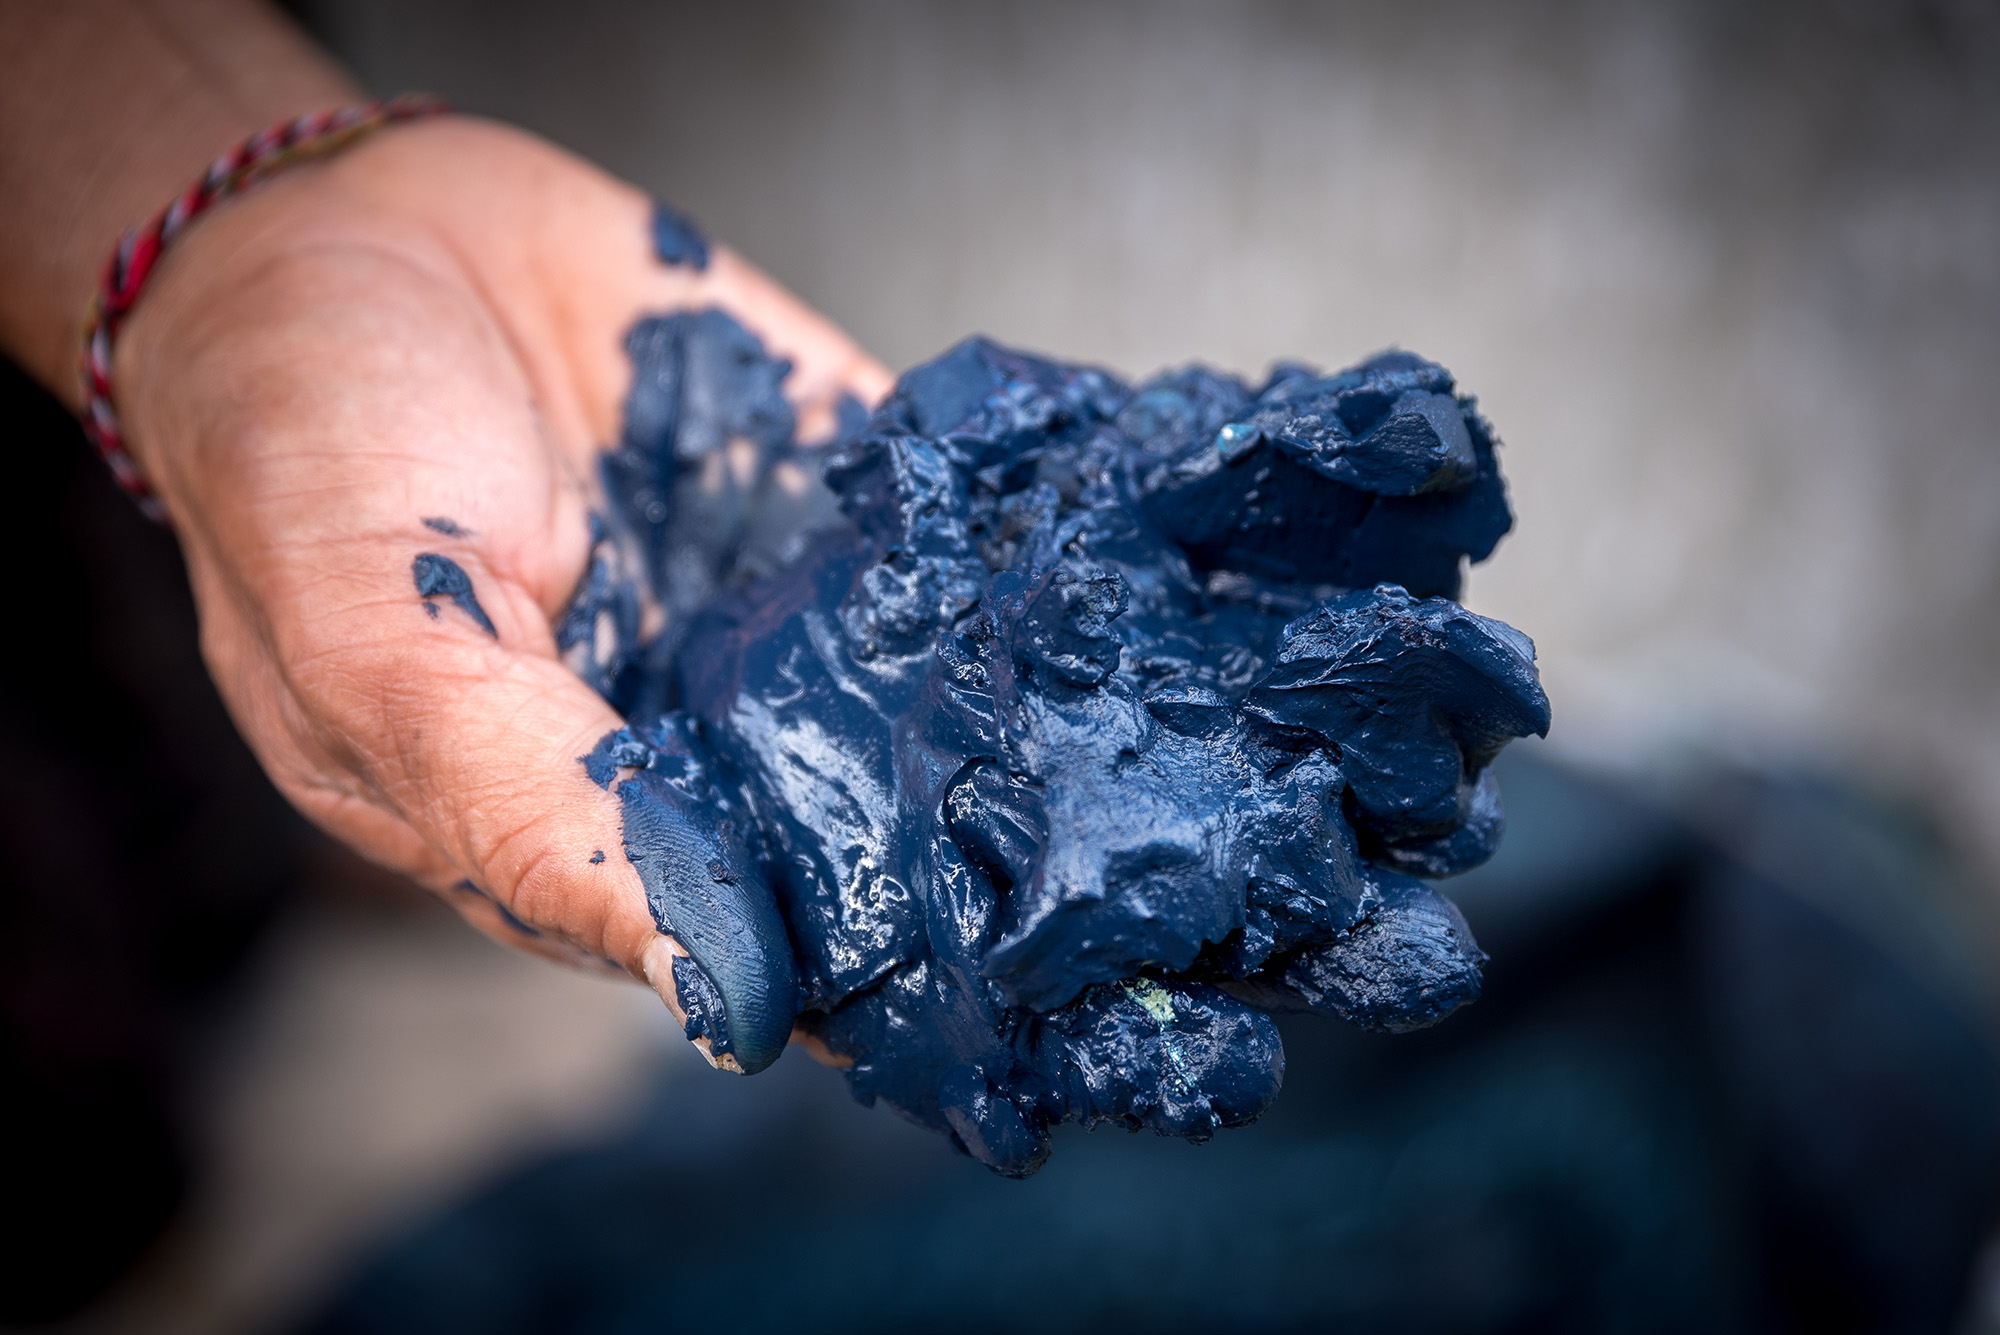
[(440, 576), (1065, 731), (677, 240)]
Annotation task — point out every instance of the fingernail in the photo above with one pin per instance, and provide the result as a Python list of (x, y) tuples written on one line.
[(698, 1005), (694, 1002)]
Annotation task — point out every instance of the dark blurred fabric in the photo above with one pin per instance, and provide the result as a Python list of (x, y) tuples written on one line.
[(1735, 1069), (140, 850)]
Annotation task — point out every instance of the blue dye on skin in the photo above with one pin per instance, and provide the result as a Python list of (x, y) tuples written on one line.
[(1096, 722), (685, 835), (677, 240), (596, 856), (506, 914), (448, 527), (441, 577)]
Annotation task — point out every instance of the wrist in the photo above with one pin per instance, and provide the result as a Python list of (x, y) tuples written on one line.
[(141, 250), (555, 253), (108, 108), (234, 308)]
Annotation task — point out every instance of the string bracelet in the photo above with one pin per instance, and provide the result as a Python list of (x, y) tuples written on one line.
[(258, 158)]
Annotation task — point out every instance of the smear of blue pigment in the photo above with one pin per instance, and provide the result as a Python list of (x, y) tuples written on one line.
[(440, 576)]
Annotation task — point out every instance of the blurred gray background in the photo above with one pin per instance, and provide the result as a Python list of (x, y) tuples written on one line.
[(1725, 276)]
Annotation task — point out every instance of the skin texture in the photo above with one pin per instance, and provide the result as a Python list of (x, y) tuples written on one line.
[(427, 326)]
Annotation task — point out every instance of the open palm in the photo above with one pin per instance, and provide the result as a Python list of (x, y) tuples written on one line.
[(415, 349)]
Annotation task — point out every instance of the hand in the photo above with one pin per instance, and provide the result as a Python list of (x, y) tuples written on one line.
[(411, 350)]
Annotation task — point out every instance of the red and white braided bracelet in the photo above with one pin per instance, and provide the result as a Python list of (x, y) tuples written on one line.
[(257, 158)]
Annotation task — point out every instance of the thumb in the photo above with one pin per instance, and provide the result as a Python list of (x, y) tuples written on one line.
[(482, 763), (733, 975), (713, 946)]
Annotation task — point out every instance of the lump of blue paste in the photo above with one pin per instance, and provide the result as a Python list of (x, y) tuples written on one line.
[(1067, 730)]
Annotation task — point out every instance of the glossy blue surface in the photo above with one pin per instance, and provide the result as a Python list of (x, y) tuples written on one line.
[(1098, 721)]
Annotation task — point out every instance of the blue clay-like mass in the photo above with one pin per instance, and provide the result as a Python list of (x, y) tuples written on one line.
[(1067, 730)]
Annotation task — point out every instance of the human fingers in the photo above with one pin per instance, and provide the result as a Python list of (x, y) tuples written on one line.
[(410, 726), (379, 526)]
